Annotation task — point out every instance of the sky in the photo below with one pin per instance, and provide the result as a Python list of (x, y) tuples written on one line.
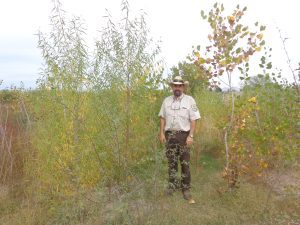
[(176, 23)]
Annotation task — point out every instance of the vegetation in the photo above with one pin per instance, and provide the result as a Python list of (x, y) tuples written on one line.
[(246, 138), (83, 148)]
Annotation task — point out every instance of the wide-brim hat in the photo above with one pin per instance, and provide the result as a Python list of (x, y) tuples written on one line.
[(178, 80)]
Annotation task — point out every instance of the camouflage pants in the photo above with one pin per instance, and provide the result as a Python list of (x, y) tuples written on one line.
[(176, 148)]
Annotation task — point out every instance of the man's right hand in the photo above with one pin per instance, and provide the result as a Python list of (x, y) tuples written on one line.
[(162, 138)]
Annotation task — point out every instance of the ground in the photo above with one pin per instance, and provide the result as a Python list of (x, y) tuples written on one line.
[(145, 203)]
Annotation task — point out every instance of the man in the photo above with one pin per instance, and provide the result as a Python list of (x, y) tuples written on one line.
[(178, 115)]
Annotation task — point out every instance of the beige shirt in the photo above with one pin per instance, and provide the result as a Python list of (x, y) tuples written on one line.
[(179, 113)]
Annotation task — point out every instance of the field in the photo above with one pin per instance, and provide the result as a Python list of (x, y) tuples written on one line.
[(145, 203), (83, 148), (32, 193)]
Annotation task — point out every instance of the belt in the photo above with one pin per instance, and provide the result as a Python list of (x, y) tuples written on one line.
[(176, 131)]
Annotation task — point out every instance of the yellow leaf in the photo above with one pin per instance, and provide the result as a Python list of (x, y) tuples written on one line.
[(260, 36), (201, 60), (197, 54), (231, 19), (258, 49), (223, 63), (253, 99)]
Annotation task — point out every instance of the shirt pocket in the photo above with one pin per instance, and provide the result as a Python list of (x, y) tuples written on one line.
[(184, 111), (169, 111)]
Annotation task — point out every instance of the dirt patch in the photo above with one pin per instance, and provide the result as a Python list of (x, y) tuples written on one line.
[(3, 191), (284, 182)]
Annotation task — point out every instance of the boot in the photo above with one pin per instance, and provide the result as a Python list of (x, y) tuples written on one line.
[(187, 196)]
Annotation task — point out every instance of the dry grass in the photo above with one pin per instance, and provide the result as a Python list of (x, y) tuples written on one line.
[(145, 204)]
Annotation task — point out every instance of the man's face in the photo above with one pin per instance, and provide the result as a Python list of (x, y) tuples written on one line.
[(177, 89)]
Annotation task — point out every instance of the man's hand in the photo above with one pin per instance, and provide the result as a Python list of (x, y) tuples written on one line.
[(189, 141), (162, 138)]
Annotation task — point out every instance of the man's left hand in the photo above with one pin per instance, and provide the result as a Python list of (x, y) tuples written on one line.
[(189, 141)]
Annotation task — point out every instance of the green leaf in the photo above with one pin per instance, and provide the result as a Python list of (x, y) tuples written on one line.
[(262, 28), (262, 43), (269, 65), (202, 14), (245, 28)]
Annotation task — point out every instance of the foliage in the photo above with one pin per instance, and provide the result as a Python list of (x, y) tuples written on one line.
[(265, 130), (256, 136), (15, 124), (195, 75), (127, 70), (84, 144), (231, 43), (91, 111)]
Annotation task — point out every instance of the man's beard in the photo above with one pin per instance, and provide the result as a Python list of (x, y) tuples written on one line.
[(177, 93)]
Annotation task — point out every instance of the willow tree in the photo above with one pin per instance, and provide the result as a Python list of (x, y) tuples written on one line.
[(61, 108), (125, 62), (66, 62)]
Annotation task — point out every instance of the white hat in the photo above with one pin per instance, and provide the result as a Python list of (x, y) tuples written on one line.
[(178, 80)]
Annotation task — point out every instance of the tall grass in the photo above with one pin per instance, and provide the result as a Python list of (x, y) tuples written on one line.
[(83, 147)]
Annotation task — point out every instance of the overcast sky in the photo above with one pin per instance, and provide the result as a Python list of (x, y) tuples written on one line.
[(176, 23)]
